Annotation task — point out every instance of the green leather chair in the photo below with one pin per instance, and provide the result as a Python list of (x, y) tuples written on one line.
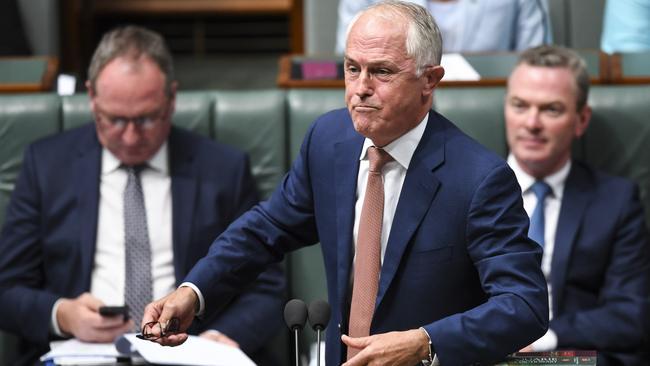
[(476, 111), (255, 122), (618, 138), (22, 120)]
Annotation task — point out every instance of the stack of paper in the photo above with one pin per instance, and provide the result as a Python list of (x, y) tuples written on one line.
[(195, 351)]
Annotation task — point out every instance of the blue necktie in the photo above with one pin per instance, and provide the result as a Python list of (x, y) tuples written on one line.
[(536, 230)]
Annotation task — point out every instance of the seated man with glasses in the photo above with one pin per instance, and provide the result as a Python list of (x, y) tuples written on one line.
[(117, 212)]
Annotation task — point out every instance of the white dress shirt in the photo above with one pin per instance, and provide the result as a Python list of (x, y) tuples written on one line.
[(394, 172), (109, 269), (552, 208), (108, 276)]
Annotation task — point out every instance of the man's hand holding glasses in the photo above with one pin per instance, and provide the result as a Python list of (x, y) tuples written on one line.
[(165, 321)]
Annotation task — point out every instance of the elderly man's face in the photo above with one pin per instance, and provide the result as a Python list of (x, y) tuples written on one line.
[(542, 118), (132, 111), (382, 92)]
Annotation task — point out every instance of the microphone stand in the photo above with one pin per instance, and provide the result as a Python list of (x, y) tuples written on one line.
[(295, 338), (318, 330), (295, 315)]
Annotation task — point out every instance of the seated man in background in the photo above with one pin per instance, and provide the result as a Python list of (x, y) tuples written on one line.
[(117, 212), (590, 224), (472, 25)]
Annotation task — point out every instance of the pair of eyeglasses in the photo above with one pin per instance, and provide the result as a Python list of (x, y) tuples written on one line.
[(156, 330), (120, 122)]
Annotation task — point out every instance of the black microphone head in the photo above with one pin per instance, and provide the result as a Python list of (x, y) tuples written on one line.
[(319, 314), (295, 314)]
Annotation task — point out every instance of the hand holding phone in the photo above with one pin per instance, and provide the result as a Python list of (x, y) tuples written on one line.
[(115, 310)]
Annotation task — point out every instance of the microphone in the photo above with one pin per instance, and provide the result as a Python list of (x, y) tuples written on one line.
[(295, 316), (319, 316)]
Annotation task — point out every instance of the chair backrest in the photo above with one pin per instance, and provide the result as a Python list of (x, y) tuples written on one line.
[(476, 111), (255, 122), (22, 120), (618, 138)]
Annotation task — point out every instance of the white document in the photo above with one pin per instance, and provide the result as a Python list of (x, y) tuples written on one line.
[(66, 352), (457, 68), (195, 351)]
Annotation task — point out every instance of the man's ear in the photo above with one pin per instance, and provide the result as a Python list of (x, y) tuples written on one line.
[(89, 89), (91, 94), (584, 117), (432, 76)]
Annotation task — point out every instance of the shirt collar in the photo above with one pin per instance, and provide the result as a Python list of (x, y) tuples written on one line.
[(555, 181), (158, 162), (403, 148)]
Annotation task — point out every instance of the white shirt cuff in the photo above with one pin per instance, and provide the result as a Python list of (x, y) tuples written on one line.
[(548, 342), (54, 325), (198, 294)]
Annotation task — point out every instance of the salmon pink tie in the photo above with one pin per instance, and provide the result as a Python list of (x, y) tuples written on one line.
[(367, 264)]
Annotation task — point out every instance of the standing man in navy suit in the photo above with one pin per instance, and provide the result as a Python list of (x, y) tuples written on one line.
[(63, 242), (457, 279), (596, 256)]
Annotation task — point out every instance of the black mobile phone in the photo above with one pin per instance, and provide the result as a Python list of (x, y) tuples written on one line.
[(115, 310)]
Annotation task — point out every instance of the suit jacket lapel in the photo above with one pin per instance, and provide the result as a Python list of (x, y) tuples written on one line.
[(574, 203), (87, 170), (418, 191), (346, 172), (183, 180)]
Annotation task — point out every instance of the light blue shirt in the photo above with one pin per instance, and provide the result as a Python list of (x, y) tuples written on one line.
[(626, 26), (488, 25)]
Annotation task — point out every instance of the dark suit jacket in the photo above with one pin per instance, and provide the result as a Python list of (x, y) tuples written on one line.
[(48, 239), (599, 275), (458, 260)]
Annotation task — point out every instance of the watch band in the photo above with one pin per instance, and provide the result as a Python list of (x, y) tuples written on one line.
[(429, 360)]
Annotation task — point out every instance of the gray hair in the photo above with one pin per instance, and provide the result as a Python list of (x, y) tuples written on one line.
[(423, 38), (132, 42), (558, 56)]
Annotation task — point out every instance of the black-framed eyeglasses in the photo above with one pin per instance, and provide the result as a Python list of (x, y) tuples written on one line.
[(156, 330)]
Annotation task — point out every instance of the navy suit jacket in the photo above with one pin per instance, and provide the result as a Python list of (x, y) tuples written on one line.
[(458, 260), (600, 274), (48, 239)]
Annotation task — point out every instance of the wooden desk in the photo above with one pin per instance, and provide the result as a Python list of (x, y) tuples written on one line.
[(494, 69), (27, 74), (191, 6), (630, 68)]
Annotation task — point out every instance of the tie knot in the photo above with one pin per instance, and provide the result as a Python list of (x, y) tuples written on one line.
[(541, 190), (378, 158), (134, 169)]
